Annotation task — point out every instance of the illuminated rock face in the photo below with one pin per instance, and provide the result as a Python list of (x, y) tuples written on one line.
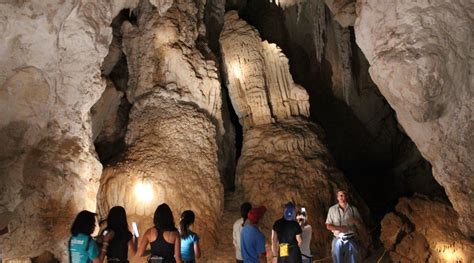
[(422, 230), (50, 76), (258, 76), (173, 125), (422, 62), (283, 158)]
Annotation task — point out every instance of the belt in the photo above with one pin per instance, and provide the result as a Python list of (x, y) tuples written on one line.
[(116, 260), (345, 238)]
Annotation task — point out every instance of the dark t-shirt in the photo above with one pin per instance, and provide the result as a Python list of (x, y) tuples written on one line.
[(286, 232)]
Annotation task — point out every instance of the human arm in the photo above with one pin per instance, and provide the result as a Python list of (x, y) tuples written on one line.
[(299, 239), (332, 222), (261, 248), (177, 247), (133, 245), (333, 228), (197, 248), (236, 234), (143, 243), (274, 245), (93, 249)]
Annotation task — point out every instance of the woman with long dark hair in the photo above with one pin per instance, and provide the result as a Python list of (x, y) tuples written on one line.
[(121, 239), (190, 249), (163, 238), (82, 248)]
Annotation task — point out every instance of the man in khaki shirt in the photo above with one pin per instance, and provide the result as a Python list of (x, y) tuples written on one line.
[(342, 220)]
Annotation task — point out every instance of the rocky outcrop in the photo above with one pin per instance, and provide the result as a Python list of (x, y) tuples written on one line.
[(283, 157), (174, 123), (422, 62), (259, 81), (50, 76), (423, 230)]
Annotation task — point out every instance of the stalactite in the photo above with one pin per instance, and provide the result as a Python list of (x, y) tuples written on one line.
[(317, 9)]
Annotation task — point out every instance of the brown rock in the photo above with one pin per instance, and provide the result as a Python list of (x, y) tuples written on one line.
[(392, 227), (434, 236), (427, 80)]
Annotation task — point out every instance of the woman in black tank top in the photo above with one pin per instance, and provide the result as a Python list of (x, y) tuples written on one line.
[(163, 237)]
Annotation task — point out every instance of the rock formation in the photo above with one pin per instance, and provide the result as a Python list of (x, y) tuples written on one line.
[(422, 230), (50, 76), (421, 60), (283, 157), (174, 123), (49, 79)]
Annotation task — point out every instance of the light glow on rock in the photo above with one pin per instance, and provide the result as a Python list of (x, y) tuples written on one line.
[(237, 71), (144, 192)]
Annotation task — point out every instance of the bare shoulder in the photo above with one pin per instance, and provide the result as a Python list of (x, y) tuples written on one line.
[(151, 233)]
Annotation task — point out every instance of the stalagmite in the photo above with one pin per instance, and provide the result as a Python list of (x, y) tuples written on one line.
[(283, 158), (175, 118)]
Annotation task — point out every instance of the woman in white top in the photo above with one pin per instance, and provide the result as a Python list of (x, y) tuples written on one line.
[(237, 229), (305, 236)]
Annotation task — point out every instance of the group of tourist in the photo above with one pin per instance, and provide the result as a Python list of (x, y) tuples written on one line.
[(291, 234), (168, 243), (290, 242)]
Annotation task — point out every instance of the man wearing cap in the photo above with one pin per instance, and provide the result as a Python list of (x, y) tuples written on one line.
[(252, 241), (286, 237), (342, 220)]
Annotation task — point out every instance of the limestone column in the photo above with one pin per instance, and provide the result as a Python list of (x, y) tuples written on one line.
[(174, 123)]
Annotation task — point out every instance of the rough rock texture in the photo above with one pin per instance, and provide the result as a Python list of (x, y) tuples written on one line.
[(422, 61), (344, 11), (50, 76), (283, 157), (423, 230), (174, 125)]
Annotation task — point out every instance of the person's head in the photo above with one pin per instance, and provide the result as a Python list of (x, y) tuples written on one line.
[(341, 196), (244, 211), (163, 218), (255, 214), (117, 220), (289, 213), (187, 219), (84, 223), (301, 217)]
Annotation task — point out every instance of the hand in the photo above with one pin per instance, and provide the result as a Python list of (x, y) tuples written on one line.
[(274, 260), (343, 229), (108, 237)]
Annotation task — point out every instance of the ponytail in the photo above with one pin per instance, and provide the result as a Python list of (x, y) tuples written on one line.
[(244, 211), (187, 219)]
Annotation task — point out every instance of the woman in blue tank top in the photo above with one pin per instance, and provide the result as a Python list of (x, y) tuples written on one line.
[(163, 238), (190, 249)]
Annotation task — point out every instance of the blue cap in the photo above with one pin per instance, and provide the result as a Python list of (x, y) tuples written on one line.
[(290, 212)]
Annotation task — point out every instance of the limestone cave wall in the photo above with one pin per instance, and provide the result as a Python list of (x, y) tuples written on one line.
[(102, 101)]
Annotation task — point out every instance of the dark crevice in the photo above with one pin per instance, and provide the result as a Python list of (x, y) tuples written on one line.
[(109, 148)]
